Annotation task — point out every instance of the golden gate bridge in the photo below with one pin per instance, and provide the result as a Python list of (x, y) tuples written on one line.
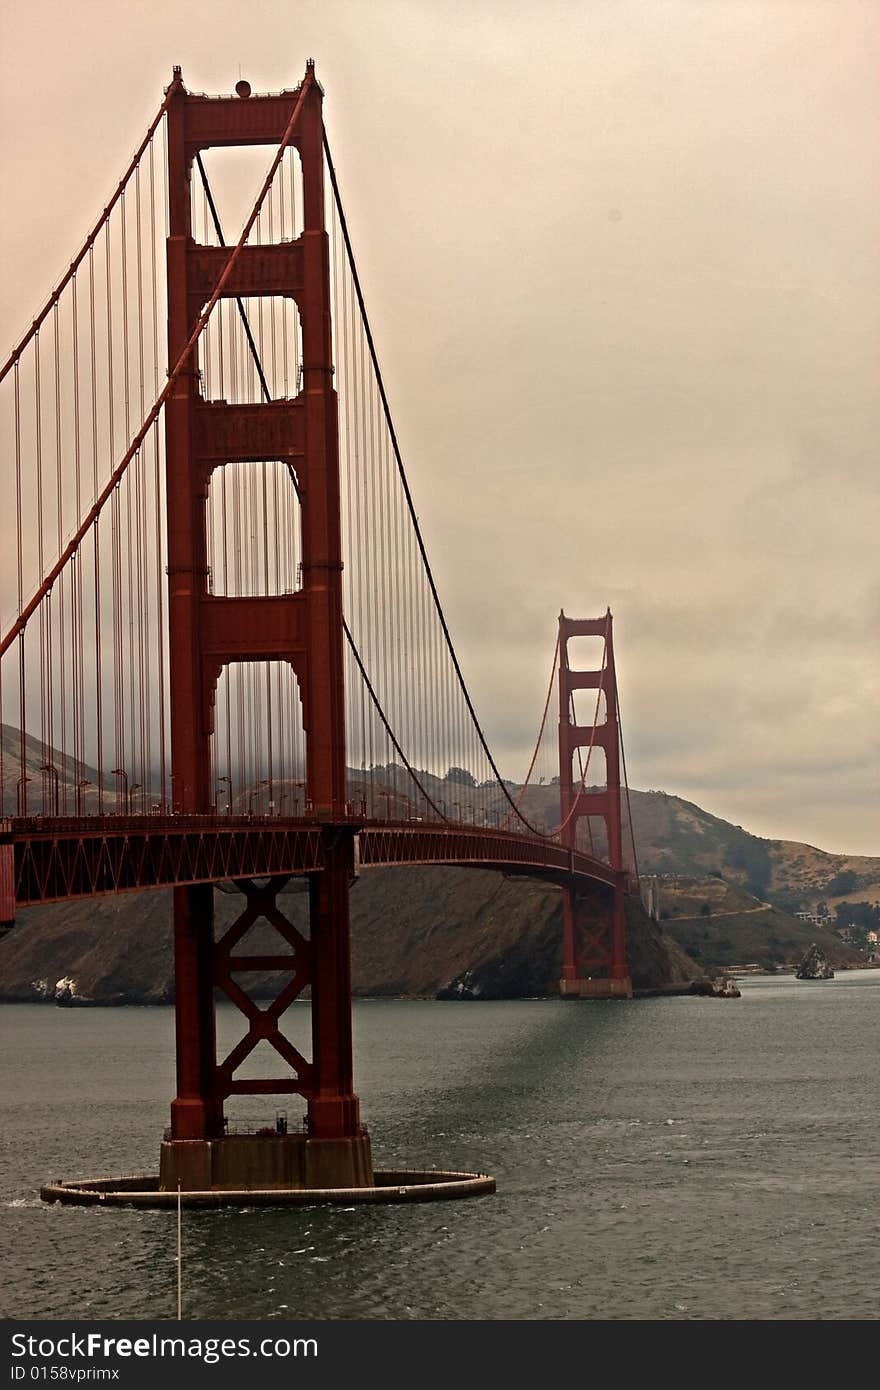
[(224, 658)]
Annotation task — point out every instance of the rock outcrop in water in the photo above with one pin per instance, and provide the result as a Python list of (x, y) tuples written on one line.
[(719, 987), (65, 992), (814, 966)]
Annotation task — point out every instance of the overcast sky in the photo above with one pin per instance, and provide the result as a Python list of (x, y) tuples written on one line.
[(622, 262)]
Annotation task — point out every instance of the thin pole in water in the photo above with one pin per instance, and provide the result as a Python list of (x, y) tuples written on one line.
[(179, 1258)]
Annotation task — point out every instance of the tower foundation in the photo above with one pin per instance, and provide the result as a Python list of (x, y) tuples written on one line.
[(596, 989), (265, 1162)]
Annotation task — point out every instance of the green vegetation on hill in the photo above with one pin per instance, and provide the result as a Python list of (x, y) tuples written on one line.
[(675, 836), (720, 925)]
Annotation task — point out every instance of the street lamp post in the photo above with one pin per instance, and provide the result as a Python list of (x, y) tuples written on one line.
[(22, 794), (83, 782)]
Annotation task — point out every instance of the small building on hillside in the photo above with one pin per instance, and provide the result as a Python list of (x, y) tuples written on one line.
[(820, 918)]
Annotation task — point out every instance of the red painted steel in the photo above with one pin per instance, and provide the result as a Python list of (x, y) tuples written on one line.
[(197, 1109), (7, 882), (305, 629), (591, 947), (263, 1023), (386, 843), (61, 860)]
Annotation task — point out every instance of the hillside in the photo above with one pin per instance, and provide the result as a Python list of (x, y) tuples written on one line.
[(674, 836), (39, 783), (417, 931), (414, 932), (720, 925)]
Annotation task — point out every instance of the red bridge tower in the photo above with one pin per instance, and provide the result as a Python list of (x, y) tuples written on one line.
[(304, 629), (594, 964)]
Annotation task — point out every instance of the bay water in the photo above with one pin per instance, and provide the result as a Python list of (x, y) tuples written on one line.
[(678, 1158)]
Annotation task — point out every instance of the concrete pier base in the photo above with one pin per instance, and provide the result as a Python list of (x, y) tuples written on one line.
[(238, 1162), (596, 989)]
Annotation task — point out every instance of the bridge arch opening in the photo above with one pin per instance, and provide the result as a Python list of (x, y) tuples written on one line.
[(589, 765), (234, 175), (585, 653), (251, 351), (254, 531), (258, 754), (591, 837), (589, 707)]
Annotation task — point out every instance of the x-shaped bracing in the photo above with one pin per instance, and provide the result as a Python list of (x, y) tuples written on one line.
[(263, 1024)]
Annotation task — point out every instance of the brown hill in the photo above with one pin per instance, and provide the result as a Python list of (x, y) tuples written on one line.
[(720, 926), (414, 932), (418, 931), (674, 836)]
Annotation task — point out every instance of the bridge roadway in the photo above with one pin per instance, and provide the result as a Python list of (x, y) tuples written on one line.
[(49, 860)]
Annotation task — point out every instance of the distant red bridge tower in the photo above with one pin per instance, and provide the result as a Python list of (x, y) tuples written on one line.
[(594, 963)]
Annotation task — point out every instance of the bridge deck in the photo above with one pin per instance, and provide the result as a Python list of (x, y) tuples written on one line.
[(54, 860)]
